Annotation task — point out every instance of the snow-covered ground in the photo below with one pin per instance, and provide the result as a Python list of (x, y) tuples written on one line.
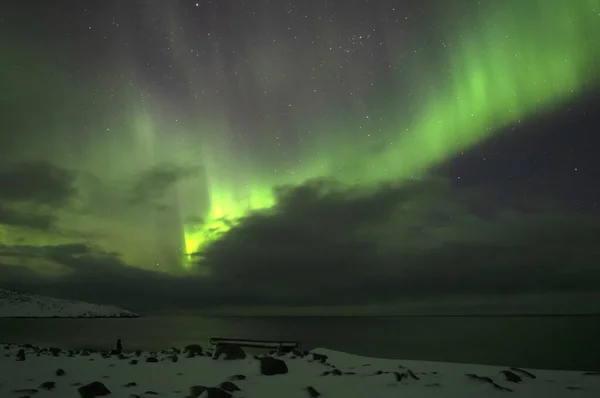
[(19, 305), (48, 373)]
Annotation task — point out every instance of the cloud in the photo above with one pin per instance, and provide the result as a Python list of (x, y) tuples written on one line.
[(12, 217), (327, 244), (154, 183), (38, 183), (95, 275)]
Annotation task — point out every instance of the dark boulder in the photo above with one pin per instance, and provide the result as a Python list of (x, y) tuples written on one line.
[(319, 357), (193, 350), (48, 385), (211, 392), (93, 390), (270, 366), (229, 352), (511, 377), (229, 386)]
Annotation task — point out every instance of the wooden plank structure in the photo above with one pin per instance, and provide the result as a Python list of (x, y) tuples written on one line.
[(281, 346)]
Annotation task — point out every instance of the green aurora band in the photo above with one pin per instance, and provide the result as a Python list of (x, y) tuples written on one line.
[(500, 63), (514, 60)]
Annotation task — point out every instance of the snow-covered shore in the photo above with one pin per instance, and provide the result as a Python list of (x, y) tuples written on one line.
[(193, 372), (15, 304)]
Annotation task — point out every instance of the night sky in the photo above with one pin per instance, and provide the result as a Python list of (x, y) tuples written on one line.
[(200, 154)]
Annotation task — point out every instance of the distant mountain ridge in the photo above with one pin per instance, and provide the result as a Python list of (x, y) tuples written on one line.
[(15, 304)]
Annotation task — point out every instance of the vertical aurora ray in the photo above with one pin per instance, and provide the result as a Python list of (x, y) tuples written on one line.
[(229, 191)]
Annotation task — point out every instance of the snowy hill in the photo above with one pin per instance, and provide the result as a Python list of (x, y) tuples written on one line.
[(15, 304)]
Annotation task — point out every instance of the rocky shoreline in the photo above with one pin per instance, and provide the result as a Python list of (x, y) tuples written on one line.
[(228, 371)]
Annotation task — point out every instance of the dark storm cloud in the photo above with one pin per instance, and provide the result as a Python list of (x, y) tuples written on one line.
[(94, 275), (17, 218), (325, 244), (39, 183), (154, 183)]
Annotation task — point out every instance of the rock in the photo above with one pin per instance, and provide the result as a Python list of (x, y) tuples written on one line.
[(298, 353), (208, 392), (334, 372), (196, 391), (312, 392), (237, 377), (193, 349), (229, 352), (123, 356), (433, 385), (92, 390), (412, 374), (130, 384), (215, 392), (488, 380), (229, 386), (48, 385), (523, 372), (174, 358), (152, 359), (510, 376), (150, 392), (591, 374), (319, 357), (270, 366), (28, 391), (21, 355), (60, 372), (133, 362)]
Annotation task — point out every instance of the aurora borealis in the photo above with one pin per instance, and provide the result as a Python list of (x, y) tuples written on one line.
[(179, 124), (499, 70)]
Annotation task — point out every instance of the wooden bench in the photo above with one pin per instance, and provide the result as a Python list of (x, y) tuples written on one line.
[(281, 346)]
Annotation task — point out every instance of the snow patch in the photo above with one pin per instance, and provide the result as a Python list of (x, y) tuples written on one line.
[(15, 304), (326, 373)]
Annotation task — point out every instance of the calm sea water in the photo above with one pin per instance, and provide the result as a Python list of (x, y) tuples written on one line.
[(538, 342)]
